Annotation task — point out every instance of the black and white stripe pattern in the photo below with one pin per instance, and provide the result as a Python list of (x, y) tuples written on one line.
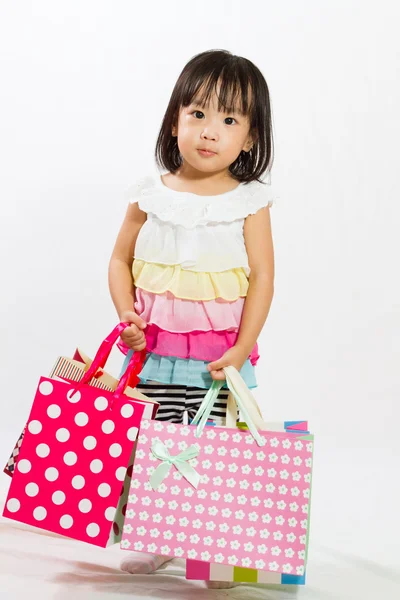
[(176, 400)]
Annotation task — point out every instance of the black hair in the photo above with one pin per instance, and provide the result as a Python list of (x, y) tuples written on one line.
[(236, 76)]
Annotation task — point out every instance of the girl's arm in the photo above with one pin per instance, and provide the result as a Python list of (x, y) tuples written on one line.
[(120, 276), (259, 245)]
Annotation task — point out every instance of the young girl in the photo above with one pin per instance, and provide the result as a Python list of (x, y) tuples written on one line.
[(193, 267)]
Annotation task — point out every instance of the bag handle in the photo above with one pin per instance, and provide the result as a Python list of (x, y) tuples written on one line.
[(130, 377), (201, 417), (244, 400), (238, 384)]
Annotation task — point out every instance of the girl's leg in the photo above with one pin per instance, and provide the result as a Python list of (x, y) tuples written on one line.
[(172, 407)]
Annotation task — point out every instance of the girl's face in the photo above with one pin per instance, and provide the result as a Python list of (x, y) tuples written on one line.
[(204, 128)]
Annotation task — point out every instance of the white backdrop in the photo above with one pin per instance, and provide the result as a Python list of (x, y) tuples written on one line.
[(84, 86)]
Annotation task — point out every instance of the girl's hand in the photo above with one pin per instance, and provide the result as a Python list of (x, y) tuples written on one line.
[(133, 336), (234, 357)]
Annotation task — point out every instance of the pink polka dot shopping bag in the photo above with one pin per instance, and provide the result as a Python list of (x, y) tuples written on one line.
[(74, 370), (77, 446)]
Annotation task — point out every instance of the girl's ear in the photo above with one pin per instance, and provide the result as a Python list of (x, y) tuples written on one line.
[(251, 140)]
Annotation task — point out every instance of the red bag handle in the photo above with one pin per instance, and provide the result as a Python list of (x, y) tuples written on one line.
[(135, 365)]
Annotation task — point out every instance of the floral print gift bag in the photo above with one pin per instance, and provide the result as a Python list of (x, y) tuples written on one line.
[(222, 495)]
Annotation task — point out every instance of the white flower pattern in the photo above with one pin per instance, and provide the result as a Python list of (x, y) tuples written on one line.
[(259, 564), (237, 479)]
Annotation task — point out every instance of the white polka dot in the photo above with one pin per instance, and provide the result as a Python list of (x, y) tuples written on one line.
[(35, 427), (132, 433), (54, 411), (90, 442), (127, 411), (46, 388), (108, 426), (120, 473), (62, 434), (66, 521), (32, 489), (81, 419), (110, 513), (42, 450), (51, 474), (40, 513), (58, 497), (70, 458), (73, 396), (101, 403), (78, 482), (85, 505), (24, 465), (93, 530), (115, 450), (13, 505), (104, 490), (96, 466)]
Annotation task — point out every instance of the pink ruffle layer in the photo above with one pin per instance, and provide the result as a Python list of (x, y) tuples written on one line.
[(198, 345), (182, 316)]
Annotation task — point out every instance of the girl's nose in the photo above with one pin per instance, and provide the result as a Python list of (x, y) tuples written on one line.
[(209, 134)]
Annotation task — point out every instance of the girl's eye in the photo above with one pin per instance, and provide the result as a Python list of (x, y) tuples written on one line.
[(199, 112)]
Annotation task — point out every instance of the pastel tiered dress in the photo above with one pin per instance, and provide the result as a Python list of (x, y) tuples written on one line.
[(191, 271)]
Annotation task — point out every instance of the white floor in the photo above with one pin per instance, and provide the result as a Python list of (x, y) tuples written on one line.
[(36, 564)]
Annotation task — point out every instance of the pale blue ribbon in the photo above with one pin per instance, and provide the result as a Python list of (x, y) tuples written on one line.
[(161, 452)]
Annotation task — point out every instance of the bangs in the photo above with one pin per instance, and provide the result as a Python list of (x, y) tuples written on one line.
[(232, 92)]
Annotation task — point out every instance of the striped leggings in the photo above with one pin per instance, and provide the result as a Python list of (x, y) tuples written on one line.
[(176, 400)]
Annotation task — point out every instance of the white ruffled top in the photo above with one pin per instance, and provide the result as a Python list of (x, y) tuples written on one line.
[(200, 233)]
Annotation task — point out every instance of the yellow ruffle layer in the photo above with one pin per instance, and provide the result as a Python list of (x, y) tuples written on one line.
[(190, 285)]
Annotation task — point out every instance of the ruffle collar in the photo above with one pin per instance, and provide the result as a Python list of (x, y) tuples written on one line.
[(191, 210)]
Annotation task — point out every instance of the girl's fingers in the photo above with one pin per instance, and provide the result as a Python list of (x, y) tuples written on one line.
[(218, 375), (130, 316), (132, 330), (137, 338), (138, 347), (215, 365)]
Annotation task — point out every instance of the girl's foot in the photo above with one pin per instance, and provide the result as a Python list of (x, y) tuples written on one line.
[(221, 585), (142, 563)]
